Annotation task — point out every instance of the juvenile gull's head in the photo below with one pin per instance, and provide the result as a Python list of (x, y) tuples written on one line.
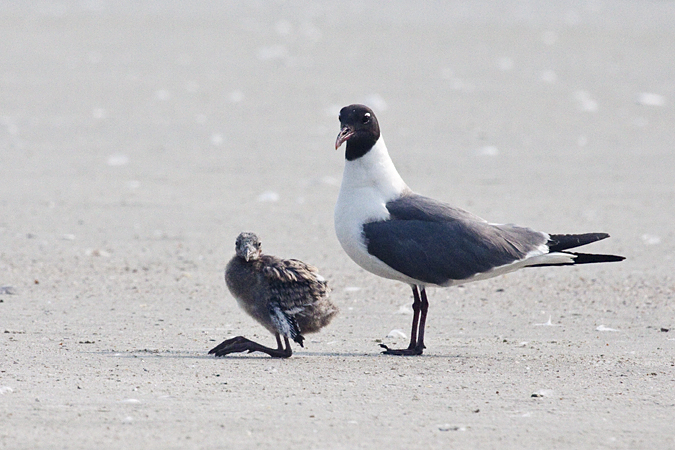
[(248, 246)]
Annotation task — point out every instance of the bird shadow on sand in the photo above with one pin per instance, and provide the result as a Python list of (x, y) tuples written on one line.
[(191, 354)]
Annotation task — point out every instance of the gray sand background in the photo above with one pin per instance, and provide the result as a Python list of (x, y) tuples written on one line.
[(137, 140)]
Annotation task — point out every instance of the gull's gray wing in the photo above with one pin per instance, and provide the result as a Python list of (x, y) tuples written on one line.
[(433, 242)]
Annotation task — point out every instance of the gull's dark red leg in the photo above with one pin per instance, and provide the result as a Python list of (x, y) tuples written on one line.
[(416, 346), (416, 317), (424, 307)]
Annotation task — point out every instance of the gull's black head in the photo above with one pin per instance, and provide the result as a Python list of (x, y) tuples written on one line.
[(248, 246), (359, 128)]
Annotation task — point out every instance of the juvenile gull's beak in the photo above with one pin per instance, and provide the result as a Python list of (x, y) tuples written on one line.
[(250, 253), (345, 133)]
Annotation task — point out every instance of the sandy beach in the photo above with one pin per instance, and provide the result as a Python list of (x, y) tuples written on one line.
[(138, 140)]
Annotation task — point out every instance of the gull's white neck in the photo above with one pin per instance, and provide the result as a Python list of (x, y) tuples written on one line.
[(373, 171)]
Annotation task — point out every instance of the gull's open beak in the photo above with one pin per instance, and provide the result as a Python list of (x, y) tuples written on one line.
[(345, 133)]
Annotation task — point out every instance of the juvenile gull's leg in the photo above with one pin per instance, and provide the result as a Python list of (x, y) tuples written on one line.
[(241, 344)]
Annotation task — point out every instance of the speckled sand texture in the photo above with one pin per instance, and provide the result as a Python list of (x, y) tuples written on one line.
[(137, 139)]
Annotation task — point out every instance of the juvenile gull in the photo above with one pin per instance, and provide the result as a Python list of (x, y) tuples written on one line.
[(286, 296), (395, 233)]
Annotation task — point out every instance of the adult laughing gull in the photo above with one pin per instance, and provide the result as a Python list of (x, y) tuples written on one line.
[(392, 232), (286, 296)]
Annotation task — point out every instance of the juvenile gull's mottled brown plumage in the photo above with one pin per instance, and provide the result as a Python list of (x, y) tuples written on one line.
[(286, 296)]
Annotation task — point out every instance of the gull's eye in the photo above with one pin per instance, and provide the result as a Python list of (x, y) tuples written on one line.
[(366, 118)]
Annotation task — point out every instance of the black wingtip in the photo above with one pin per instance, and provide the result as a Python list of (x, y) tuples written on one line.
[(585, 258), (588, 258), (560, 242), (299, 339)]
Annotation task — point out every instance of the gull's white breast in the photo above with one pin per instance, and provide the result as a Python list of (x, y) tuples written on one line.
[(368, 183)]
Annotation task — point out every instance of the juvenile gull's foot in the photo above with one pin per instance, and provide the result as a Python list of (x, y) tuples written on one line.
[(241, 344)]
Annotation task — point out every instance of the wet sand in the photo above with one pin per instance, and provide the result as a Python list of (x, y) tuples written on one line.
[(136, 142)]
